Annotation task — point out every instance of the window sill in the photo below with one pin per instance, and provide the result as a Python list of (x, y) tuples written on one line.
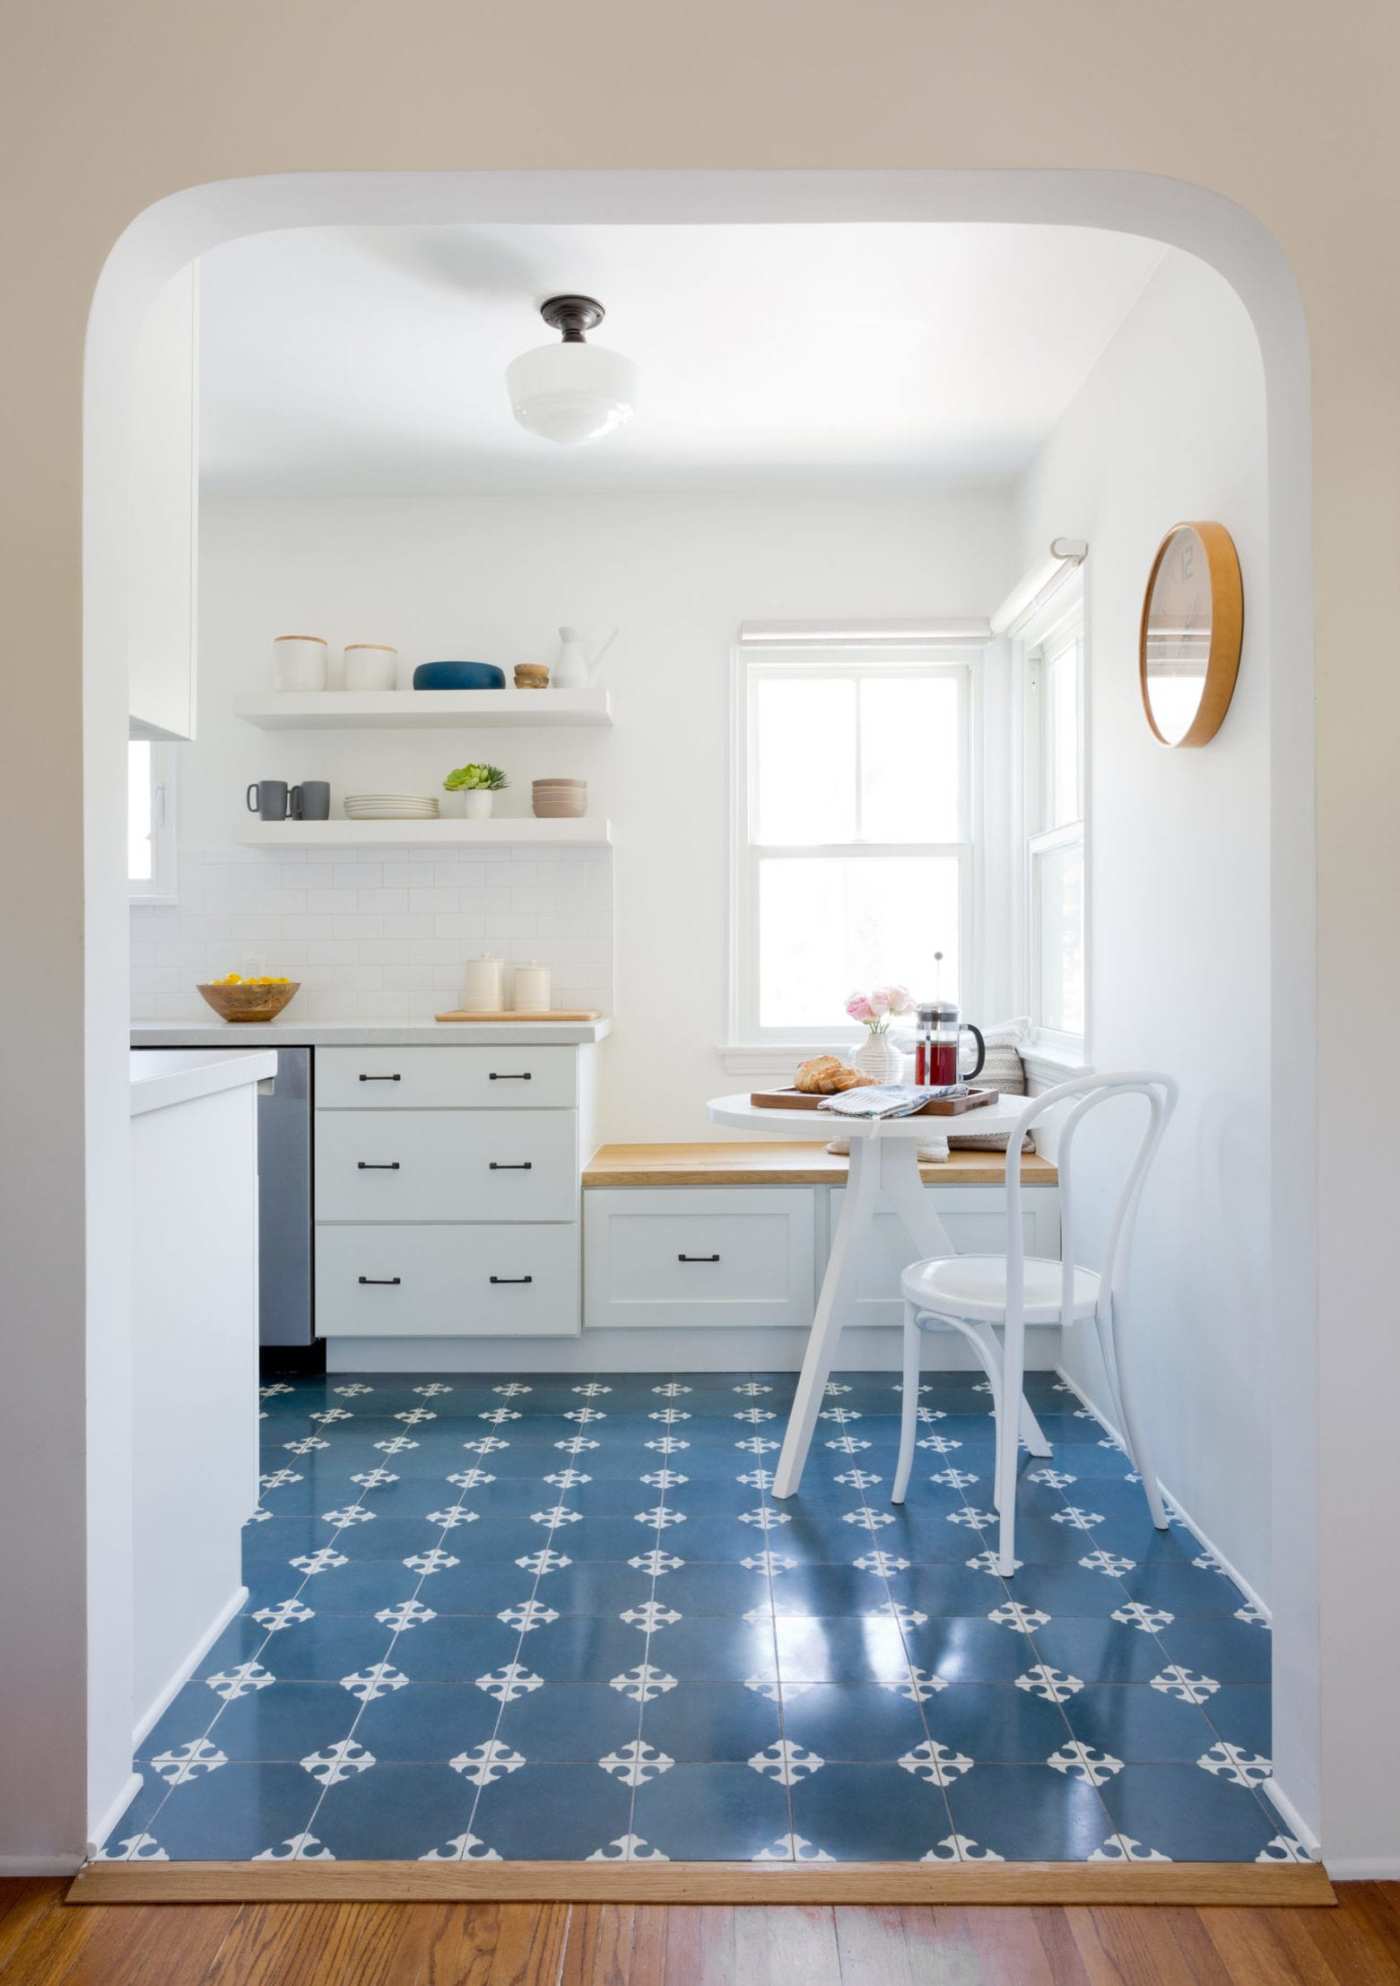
[(774, 1058), (1048, 1063)]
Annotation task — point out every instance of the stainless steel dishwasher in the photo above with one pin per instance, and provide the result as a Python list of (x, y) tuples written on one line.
[(286, 1300)]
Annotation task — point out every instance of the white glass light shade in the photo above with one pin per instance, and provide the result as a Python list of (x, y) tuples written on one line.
[(572, 392)]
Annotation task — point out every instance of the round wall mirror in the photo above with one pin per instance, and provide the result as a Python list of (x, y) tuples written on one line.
[(1192, 626)]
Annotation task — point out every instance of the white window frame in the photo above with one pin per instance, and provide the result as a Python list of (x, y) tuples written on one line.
[(751, 661), (160, 887), (1061, 620)]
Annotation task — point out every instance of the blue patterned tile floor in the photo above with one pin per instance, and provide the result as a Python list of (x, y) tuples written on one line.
[(564, 1618)]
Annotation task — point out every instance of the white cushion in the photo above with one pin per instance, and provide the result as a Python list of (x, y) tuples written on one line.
[(974, 1286)]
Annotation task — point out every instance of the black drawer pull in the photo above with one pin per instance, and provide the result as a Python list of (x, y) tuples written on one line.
[(697, 1258), (368, 1165), (510, 1077), (382, 1282), (381, 1079), (525, 1165), (512, 1279)]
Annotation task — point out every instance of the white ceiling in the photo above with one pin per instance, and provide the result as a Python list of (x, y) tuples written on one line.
[(371, 360)]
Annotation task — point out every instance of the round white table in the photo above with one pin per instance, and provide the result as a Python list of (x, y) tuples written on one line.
[(884, 1167)]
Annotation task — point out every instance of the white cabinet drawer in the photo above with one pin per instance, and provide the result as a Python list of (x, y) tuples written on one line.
[(446, 1078), (975, 1220), (700, 1256), (460, 1282), (446, 1165)]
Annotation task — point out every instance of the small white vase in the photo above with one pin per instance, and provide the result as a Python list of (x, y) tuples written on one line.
[(477, 804), (877, 1056)]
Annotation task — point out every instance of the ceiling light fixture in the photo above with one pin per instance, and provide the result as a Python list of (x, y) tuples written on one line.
[(573, 391)]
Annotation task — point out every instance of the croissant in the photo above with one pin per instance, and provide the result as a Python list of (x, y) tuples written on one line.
[(825, 1075)]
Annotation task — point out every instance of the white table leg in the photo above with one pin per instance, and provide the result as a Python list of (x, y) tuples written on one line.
[(900, 1182), (905, 1191), (838, 1284)]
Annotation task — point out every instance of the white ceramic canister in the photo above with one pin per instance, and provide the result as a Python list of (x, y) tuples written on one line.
[(371, 665), (299, 661), (530, 989), (481, 986)]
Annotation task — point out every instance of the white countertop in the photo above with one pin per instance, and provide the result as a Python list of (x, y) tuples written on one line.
[(161, 1078), (290, 1033)]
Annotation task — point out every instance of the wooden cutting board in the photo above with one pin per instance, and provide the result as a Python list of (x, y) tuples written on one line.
[(802, 1100), (522, 1014)]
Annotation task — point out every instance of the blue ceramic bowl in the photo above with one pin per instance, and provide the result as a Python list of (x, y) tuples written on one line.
[(458, 676)]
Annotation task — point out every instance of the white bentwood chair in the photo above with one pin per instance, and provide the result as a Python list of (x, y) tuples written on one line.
[(981, 1295)]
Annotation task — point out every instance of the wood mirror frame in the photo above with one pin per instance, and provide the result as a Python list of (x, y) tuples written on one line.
[(1226, 633)]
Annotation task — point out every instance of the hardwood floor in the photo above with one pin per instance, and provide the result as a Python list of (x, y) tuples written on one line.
[(45, 1943)]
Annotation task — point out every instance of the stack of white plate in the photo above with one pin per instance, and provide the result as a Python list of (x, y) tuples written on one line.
[(391, 807)]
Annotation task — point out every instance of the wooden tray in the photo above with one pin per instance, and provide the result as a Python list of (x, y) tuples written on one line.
[(803, 1100), (523, 1014)]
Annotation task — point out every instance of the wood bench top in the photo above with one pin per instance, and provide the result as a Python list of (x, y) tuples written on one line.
[(778, 1162)]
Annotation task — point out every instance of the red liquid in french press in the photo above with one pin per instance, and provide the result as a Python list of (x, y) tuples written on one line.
[(941, 1029), (936, 1049)]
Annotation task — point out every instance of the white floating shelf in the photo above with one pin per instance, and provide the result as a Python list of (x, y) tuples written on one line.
[(528, 832), (420, 710)]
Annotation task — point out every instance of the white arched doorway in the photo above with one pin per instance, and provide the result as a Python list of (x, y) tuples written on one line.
[(188, 224)]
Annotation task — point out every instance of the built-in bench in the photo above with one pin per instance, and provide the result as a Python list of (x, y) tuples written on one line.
[(778, 1162), (737, 1234)]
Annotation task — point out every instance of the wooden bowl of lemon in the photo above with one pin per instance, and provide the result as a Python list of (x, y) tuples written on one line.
[(239, 999)]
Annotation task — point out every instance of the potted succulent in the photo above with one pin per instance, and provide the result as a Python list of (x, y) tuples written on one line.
[(476, 784)]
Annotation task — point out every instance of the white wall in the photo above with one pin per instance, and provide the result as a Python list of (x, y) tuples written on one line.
[(1169, 426), (493, 579)]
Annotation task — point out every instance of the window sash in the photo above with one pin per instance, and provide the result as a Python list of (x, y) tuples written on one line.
[(160, 885), (1065, 636), (751, 668), (1054, 841)]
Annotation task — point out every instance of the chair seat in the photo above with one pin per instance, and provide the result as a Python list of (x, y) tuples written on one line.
[(974, 1286)]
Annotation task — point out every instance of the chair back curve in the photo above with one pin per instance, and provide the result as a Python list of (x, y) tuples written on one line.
[(1089, 1091)]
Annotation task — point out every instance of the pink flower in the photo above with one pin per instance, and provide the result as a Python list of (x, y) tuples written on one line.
[(879, 1001), (900, 999), (860, 1009)]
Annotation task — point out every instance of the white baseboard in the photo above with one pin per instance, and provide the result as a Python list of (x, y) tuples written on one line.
[(1366, 1869), (1297, 1826), (116, 1808), (1178, 1508), (13, 1867), (182, 1674), (863, 1348)]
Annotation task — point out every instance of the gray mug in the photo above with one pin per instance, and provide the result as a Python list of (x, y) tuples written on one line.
[(311, 801), (267, 798)]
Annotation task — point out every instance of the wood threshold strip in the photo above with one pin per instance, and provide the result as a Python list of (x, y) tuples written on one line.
[(1181, 1884)]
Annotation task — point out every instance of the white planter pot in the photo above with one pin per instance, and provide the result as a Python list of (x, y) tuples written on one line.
[(478, 805), (877, 1056)]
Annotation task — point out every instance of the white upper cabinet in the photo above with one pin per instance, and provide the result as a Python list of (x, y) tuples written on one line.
[(163, 515)]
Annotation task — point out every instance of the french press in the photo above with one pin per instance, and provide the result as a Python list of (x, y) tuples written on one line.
[(938, 1045)]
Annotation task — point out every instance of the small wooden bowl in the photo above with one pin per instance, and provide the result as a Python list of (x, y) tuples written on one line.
[(249, 1003)]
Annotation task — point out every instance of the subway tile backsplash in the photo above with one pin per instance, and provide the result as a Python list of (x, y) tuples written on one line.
[(375, 939)]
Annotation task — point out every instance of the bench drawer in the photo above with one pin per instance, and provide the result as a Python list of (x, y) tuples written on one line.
[(701, 1256), (446, 1078), (446, 1165), (457, 1282)]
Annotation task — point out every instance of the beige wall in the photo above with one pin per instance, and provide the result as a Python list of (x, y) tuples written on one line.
[(1286, 110)]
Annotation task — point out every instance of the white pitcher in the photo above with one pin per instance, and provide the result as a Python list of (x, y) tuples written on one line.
[(579, 659)]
